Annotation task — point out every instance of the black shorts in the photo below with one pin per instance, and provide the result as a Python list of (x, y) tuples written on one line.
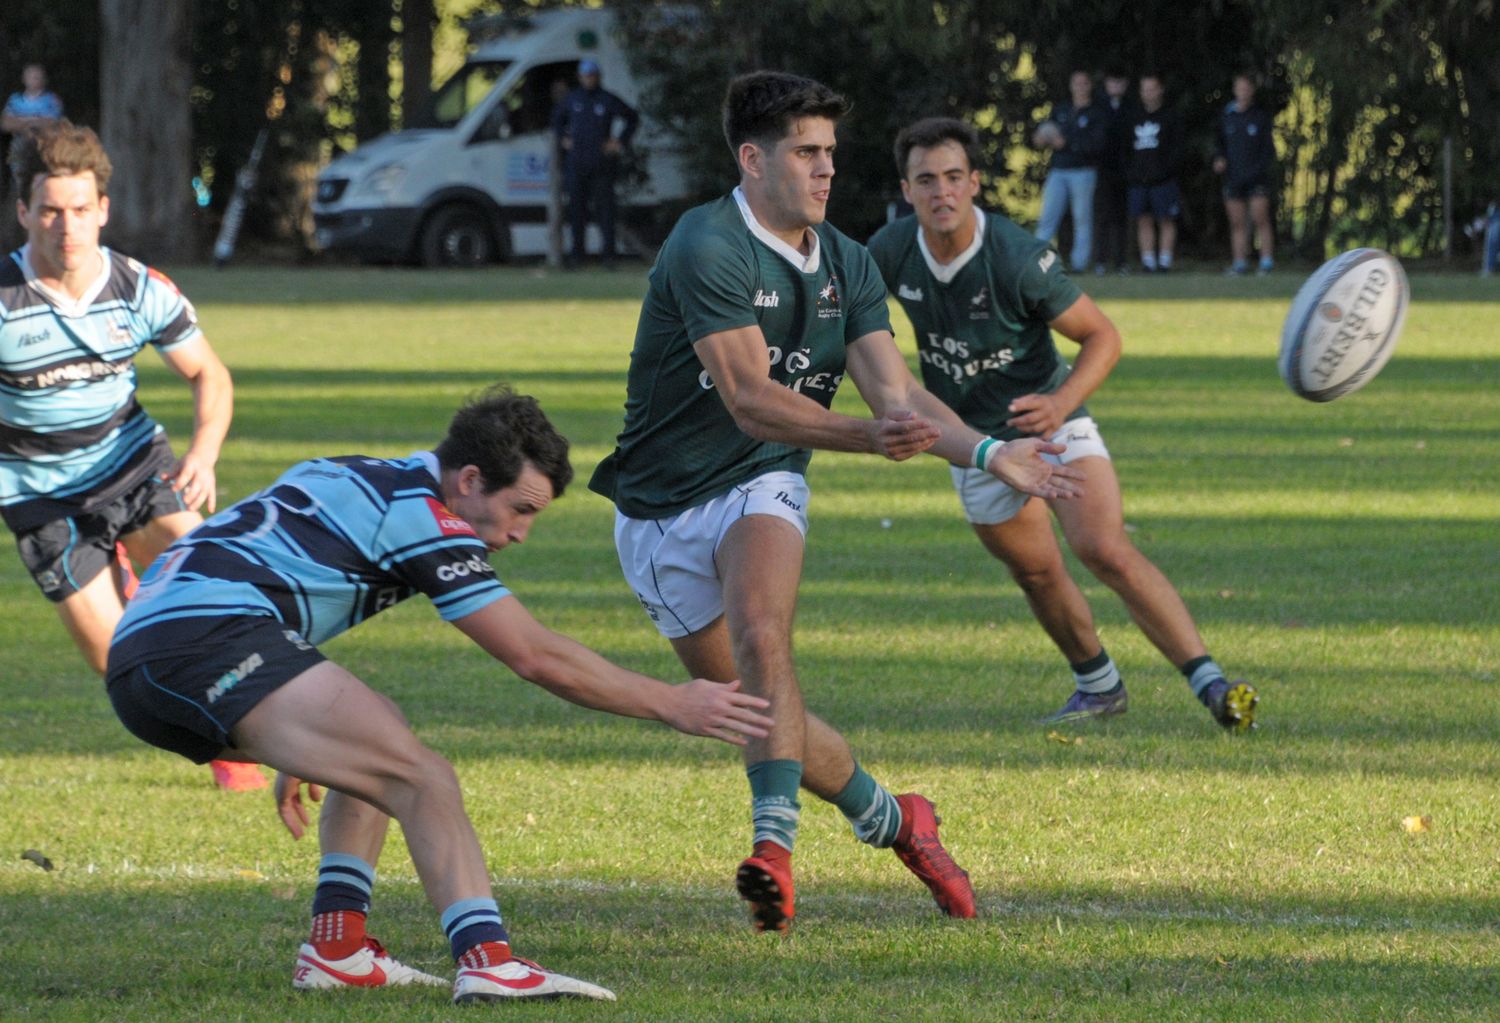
[(64, 555), (183, 685), (1252, 189)]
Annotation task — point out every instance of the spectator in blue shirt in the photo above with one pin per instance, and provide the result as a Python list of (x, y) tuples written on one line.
[(32, 107), (592, 126)]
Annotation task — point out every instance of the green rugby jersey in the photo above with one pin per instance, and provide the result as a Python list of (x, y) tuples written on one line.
[(981, 321), (720, 271)]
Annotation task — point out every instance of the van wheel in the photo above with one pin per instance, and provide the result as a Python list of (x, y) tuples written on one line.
[(457, 236)]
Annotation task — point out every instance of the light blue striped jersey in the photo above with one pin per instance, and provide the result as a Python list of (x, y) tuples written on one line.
[(71, 429), (330, 543)]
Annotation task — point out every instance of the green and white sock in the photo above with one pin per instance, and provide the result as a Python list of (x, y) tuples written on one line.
[(773, 800), (871, 810), (1097, 674)]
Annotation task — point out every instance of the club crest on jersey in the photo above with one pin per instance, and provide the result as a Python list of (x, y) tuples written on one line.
[(119, 333), (448, 523), (828, 300), (979, 305)]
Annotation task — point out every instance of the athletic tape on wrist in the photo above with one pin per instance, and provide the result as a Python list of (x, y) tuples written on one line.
[(982, 452)]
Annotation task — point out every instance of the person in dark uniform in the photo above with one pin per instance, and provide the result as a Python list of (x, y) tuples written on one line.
[(1244, 154), (593, 126), (1155, 199), (1110, 219)]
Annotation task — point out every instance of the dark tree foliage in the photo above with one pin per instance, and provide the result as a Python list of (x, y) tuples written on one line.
[(1365, 92)]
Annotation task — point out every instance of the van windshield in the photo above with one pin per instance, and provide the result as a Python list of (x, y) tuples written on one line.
[(463, 92)]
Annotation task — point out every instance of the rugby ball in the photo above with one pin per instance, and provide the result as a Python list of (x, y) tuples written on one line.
[(1343, 324)]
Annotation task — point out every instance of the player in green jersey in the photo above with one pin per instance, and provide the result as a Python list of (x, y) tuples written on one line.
[(755, 311), (984, 298)]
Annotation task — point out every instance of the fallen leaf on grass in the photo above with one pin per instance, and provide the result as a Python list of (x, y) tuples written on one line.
[(251, 875), (1417, 825), (36, 857), (1066, 740)]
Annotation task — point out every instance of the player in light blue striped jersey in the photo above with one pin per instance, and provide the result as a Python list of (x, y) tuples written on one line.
[(84, 470), (217, 657)]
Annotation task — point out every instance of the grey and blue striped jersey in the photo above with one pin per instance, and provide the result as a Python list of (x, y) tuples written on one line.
[(330, 543), (72, 435)]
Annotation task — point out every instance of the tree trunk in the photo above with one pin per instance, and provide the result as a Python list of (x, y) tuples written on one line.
[(146, 125), (417, 18), (372, 109)]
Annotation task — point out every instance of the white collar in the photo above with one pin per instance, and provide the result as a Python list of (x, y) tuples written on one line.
[(66, 305), (808, 264), (945, 272)]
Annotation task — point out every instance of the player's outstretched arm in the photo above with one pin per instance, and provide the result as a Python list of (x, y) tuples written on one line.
[(739, 365), (565, 668), (213, 407), (888, 387)]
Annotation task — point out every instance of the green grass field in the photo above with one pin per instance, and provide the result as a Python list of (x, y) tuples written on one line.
[(1343, 557)]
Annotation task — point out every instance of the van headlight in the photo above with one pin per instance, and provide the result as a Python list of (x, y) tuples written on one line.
[(383, 180)]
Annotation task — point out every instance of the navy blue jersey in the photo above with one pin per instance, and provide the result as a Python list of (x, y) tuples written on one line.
[(71, 431), (1245, 141), (1084, 129), (330, 543), (587, 118)]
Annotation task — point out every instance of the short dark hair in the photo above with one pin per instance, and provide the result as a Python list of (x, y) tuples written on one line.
[(762, 106), (498, 431), (934, 131), (57, 149)]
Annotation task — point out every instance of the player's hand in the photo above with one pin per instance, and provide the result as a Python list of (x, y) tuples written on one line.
[(289, 806), (899, 434), (1020, 465), (193, 478), (718, 710), (611, 147), (1040, 415), (1220, 165)]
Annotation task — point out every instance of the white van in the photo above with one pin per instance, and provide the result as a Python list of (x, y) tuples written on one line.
[(474, 187)]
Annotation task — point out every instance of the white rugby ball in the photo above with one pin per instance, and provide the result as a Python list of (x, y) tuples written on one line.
[(1343, 324)]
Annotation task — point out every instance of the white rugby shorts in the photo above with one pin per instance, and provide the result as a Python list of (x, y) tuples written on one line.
[(988, 502), (670, 564)]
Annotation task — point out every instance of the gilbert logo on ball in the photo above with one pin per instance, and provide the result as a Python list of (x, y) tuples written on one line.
[(1343, 324)]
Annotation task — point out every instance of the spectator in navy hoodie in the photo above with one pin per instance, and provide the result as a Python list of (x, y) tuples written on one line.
[(1111, 220), (1155, 200), (1075, 135), (593, 126), (1245, 154)]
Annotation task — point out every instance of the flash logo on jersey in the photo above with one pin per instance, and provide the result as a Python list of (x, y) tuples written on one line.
[(449, 523), (1048, 258)]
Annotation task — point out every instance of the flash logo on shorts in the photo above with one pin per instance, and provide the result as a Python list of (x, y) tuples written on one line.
[(784, 498), (295, 638), (232, 678), (473, 566), (448, 523)]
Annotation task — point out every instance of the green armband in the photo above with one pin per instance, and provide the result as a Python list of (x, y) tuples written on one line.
[(982, 453)]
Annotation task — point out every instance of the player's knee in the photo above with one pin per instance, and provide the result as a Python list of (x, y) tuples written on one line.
[(1108, 559), (417, 773), (1038, 577), (759, 641)]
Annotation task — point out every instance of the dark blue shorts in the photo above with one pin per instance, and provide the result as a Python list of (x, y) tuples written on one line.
[(1163, 201), (183, 685), (1242, 190), (64, 555)]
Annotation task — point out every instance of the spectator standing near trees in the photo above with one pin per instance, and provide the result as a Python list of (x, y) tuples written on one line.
[(1075, 134), (1110, 197), (1244, 154), (1155, 199)]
